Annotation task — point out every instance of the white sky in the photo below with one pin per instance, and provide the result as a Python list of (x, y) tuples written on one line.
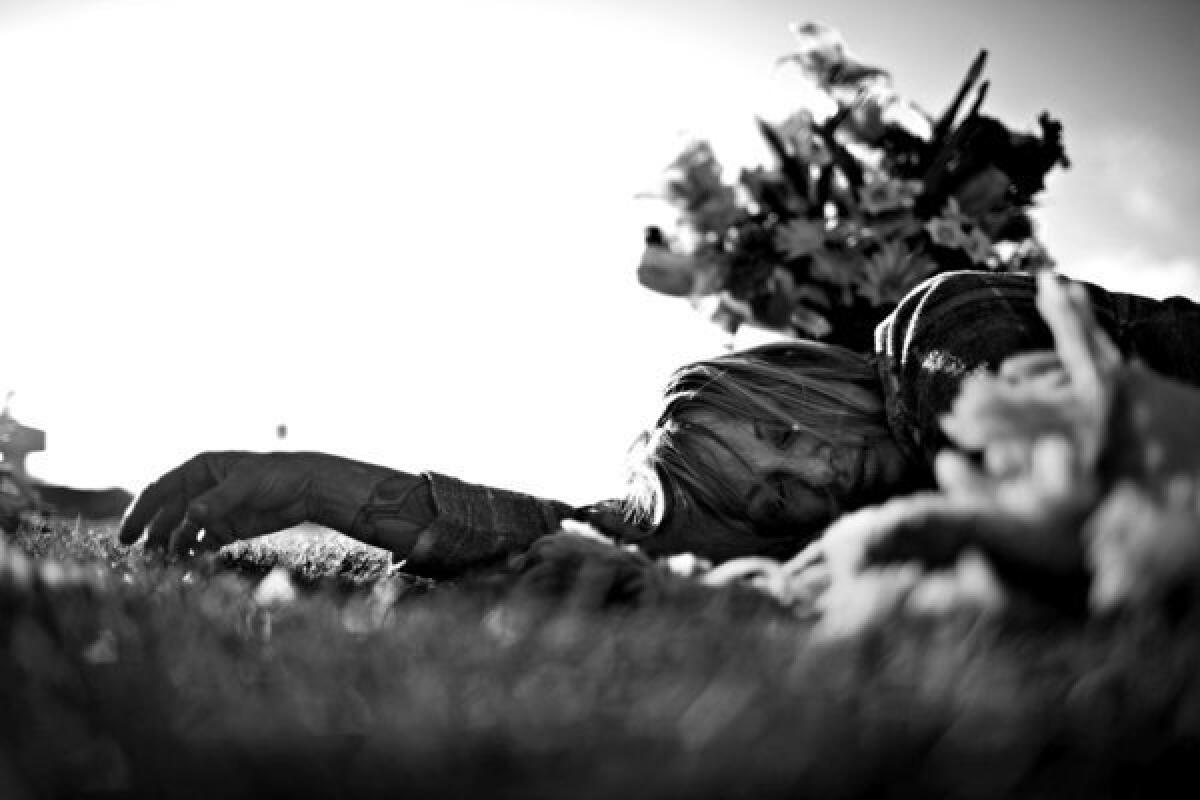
[(408, 232)]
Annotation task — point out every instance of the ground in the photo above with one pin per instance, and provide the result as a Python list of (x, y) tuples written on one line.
[(120, 677)]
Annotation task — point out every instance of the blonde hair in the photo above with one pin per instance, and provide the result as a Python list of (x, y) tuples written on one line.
[(813, 388)]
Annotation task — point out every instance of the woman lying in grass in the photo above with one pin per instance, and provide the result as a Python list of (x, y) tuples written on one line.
[(754, 453)]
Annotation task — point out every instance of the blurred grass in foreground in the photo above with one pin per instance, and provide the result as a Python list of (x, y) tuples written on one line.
[(133, 679)]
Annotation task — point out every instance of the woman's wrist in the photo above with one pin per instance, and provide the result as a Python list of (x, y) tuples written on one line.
[(397, 510), (376, 505)]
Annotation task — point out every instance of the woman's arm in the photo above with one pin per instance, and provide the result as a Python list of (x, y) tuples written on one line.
[(440, 525)]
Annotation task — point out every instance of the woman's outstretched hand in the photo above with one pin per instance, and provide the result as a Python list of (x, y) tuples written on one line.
[(238, 495), (227, 495)]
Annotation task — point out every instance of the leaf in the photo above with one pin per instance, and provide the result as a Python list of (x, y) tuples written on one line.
[(792, 168), (946, 122), (891, 272)]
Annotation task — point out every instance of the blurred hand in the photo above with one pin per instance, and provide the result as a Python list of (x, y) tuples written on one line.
[(227, 495), (1040, 425), (1055, 431), (1026, 525), (1069, 391), (1124, 420), (1029, 518)]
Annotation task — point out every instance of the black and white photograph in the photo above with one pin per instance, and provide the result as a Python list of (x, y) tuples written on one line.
[(599, 398)]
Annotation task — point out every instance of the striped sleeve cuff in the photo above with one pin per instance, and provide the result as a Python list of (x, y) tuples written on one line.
[(478, 525)]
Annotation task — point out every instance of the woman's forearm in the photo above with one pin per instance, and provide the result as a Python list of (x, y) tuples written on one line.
[(439, 526)]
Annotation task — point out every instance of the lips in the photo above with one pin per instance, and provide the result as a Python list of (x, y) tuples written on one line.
[(868, 469)]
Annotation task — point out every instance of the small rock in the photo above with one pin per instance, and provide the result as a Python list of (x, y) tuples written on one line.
[(276, 589)]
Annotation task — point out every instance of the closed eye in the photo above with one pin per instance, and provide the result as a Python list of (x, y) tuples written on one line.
[(780, 435), (783, 436)]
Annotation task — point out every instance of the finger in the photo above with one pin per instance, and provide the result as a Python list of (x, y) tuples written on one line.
[(1087, 354), (1053, 466), (189, 538), (955, 474), (1056, 381), (1006, 457), (177, 489), (182, 537), (1101, 347), (168, 518), (988, 408), (213, 509), (1027, 366), (221, 530), (1052, 380), (147, 506), (215, 539), (172, 488)]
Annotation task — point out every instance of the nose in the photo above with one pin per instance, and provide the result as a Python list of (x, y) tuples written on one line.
[(820, 465), (845, 461)]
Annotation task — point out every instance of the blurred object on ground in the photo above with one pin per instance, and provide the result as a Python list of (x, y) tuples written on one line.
[(22, 493), (127, 678)]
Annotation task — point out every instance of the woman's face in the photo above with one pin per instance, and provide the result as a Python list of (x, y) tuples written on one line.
[(791, 479)]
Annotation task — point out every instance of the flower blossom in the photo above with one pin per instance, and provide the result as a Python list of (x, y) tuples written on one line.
[(978, 246), (798, 132), (824, 58), (956, 231), (885, 195), (945, 233), (694, 186), (888, 274)]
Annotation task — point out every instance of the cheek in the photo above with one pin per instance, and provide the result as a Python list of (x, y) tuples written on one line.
[(807, 506), (893, 467)]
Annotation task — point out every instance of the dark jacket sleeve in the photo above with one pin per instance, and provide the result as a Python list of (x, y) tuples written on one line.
[(479, 525), (960, 322), (1162, 334)]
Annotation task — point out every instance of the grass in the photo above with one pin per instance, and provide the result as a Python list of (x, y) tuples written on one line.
[(123, 677)]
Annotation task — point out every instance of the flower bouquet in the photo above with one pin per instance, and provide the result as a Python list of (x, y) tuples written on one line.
[(860, 206)]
